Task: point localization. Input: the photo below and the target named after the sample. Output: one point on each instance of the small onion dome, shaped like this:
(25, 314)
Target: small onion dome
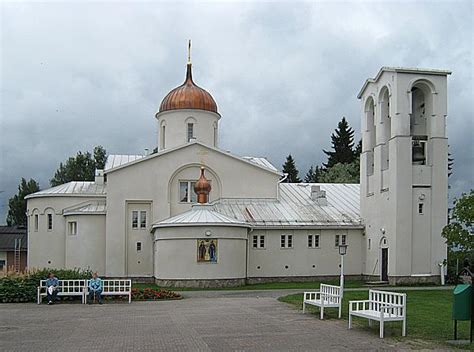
(188, 96)
(202, 188)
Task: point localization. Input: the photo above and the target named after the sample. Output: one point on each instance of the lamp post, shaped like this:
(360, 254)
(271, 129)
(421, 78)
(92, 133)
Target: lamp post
(342, 253)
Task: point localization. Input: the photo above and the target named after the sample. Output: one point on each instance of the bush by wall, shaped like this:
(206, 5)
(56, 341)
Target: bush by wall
(21, 287)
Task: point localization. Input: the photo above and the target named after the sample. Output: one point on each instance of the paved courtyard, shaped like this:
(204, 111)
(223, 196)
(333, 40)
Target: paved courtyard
(192, 324)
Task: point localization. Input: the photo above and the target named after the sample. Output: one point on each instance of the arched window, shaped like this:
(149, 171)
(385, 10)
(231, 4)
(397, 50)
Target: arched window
(370, 135)
(190, 123)
(421, 110)
(163, 135)
(215, 134)
(386, 122)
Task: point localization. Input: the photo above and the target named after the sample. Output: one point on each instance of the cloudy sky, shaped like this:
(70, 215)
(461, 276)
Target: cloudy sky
(78, 74)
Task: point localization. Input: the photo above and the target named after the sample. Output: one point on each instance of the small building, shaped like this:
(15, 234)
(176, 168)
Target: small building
(13, 248)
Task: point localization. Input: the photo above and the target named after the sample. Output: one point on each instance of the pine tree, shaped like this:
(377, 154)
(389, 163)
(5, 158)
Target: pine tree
(313, 175)
(289, 168)
(80, 168)
(17, 203)
(342, 141)
(358, 149)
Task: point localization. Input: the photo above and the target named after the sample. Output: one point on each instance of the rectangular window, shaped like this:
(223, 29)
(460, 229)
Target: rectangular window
(139, 246)
(343, 240)
(370, 242)
(336, 241)
(420, 208)
(134, 219)
(143, 219)
(190, 131)
(286, 241)
(72, 225)
(258, 241)
(313, 241)
(36, 222)
(340, 240)
(2, 264)
(50, 222)
(186, 192)
(262, 241)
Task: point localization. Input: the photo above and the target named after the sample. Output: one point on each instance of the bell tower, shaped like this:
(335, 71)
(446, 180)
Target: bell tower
(404, 173)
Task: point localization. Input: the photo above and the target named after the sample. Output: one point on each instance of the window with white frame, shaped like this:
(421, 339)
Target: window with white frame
(340, 240)
(36, 225)
(50, 222)
(258, 241)
(134, 219)
(190, 133)
(143, 219)
(286, 241)
(139, 246)
(186, 192)
(72, 228)
(313, 241)
(163, 137)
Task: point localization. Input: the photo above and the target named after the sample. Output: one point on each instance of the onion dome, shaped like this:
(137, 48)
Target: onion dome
(188, 96)
(202, 188)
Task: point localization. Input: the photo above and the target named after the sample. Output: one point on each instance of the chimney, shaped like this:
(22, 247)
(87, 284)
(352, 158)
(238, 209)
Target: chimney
(99, 177)
(318, 195)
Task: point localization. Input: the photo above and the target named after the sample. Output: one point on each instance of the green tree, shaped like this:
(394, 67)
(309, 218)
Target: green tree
(459, 233)
(17, 203)
(289, 168)
(342, 141)
(313, 175)
(341, 173)
(80, 167)
(358, 149)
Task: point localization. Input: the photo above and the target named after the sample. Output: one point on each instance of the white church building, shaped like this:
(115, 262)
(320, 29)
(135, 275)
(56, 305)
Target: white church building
(141, 217)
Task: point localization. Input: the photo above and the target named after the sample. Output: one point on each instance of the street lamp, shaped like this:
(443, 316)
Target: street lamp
(342, 253)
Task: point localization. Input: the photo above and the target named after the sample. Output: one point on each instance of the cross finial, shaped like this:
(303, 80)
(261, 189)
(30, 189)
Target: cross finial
(189, 51)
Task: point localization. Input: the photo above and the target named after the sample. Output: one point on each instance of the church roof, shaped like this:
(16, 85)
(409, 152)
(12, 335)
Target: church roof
(115, 160)
(296, 208)
(200, 215)
(77, 188)
(89, 208)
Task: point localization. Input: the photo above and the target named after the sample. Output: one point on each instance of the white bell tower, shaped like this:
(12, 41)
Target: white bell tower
(404, 173)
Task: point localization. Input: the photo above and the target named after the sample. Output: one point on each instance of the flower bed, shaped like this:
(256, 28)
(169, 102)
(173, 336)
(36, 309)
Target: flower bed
(149, 294)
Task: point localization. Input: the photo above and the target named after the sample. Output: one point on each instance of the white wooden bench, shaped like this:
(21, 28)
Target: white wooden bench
(382, 306)
(65, 288)
(114, 288)
(328, 296)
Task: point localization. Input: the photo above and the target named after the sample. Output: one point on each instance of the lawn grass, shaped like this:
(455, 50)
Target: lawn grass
(264, 286)
(428, 317)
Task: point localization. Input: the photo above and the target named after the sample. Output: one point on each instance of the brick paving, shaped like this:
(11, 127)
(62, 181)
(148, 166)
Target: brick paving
(192, 324)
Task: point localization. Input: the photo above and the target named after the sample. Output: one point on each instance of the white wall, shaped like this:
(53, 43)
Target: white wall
(176, 253)
(272, 260)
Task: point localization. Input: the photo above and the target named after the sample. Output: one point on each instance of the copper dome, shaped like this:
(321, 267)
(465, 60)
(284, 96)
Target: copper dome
(188, 96)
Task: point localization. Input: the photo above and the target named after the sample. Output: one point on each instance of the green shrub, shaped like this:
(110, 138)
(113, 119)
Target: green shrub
(23, 287)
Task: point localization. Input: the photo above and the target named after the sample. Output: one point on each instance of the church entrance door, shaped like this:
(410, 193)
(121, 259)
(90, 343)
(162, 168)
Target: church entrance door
(384, 276)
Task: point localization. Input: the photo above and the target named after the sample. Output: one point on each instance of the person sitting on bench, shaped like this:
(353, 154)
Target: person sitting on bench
(52, 283)
(95, 289)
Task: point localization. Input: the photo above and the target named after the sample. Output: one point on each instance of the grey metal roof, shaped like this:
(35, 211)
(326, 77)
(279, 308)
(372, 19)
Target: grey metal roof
(77, 188)
(260, 161)
(115, 160)
(200, 215)
(8, 234)
(90, 208)
(295, 207)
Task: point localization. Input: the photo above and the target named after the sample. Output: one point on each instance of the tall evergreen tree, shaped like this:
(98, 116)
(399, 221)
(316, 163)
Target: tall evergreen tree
(289, 168)
(80, 167)
(313, 175)
(358, 149)
(342, 141)
(17, 203)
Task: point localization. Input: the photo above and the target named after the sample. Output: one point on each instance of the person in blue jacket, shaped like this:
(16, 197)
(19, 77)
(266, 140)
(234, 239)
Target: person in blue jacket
(95, 289)
(52, 288)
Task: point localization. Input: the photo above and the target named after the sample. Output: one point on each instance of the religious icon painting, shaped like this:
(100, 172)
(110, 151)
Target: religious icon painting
(207, 250)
